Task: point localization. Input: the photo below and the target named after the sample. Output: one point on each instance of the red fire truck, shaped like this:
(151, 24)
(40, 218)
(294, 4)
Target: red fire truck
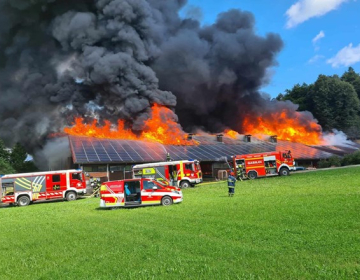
(263, 164)
(182, 173)
(137, 192)
(23, 188)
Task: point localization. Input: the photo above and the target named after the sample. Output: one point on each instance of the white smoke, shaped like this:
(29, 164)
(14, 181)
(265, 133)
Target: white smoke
(337, 138)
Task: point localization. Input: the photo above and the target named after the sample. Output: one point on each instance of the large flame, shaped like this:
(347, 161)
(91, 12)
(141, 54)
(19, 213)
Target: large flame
(231, 133)
(161, 127)
(295, 128)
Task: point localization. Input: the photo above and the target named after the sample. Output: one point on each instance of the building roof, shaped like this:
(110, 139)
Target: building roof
(98, 150)
(208, 148)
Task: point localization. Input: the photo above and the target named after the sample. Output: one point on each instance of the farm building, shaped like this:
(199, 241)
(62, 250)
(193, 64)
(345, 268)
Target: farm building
(113, 159)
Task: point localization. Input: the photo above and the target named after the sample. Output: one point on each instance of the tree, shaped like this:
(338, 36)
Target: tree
(5, 167)
(353, 78)
(335, 103)
(299, 94)
(4, 153)
(17, 160)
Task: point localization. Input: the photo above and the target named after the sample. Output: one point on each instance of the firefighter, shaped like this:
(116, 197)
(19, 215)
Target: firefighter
(168, 158)
(240, 172)
(231, 184)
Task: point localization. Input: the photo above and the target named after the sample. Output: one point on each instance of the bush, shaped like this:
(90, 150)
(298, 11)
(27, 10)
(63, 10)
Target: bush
(334, 161)
(350, 159)
(323, 163)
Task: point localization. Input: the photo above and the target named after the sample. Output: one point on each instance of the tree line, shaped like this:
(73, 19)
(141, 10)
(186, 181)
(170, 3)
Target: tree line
(334, 101)
(14, 161)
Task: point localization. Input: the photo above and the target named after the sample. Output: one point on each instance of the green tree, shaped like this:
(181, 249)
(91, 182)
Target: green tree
(17, 160)
(353, 78)
(335, 103)
(299, 94)
(4, 154)
(5, 167)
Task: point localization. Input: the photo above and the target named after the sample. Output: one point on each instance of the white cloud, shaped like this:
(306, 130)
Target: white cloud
(305, 9)
(315, 58)
(346, 56)
(318, 37)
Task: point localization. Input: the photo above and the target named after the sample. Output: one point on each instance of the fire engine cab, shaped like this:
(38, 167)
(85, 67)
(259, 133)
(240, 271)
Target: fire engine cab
(137, 192)
(23, 188)
(263, 164)
(183, 173)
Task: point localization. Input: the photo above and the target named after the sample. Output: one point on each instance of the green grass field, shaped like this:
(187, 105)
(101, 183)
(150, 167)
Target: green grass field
(305, 226)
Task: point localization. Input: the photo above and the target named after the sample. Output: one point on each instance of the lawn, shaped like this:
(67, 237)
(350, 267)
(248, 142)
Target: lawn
(304, 226)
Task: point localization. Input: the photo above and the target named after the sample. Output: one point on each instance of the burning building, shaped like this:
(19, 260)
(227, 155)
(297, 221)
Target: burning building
(140, 66)
(113, 158)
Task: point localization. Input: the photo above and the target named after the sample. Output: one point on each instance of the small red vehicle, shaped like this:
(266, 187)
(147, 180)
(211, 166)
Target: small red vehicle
(23, 188)
(138, 192)
(263, 164)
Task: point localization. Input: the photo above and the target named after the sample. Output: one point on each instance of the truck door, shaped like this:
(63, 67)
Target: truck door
(132, 193)
(56, 184)
(148, 193)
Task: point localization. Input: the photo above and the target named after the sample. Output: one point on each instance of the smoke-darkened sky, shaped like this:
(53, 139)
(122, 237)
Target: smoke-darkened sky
(115, 58)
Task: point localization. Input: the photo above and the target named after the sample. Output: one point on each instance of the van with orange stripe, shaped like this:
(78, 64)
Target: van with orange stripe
(138, 192)
(265, 164)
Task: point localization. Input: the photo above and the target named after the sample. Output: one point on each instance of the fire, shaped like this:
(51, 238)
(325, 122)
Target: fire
(231, 133)
(294, 128)
(161, 127)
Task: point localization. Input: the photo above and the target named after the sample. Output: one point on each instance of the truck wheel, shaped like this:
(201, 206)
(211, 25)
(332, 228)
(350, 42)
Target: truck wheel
(23, 200)
(284, 171)
(184, 184)
(71, 196)
(166, 201)
(252, 175)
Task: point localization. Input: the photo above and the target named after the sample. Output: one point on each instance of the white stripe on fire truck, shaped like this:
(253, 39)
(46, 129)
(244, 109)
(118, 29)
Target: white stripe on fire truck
(36, 186)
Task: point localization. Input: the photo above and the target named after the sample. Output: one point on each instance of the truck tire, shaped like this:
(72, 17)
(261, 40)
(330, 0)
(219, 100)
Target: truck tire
(70, 196)
(166, 201)
(184, 184)
(23, 200)
(284, 171)
(252, 175)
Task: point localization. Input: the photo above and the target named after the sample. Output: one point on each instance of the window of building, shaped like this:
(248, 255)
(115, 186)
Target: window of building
(116, 168)
(95, 168)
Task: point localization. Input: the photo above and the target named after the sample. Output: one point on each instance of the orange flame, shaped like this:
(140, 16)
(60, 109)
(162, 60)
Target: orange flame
(161, 127)
(295, 128)
(231, 133)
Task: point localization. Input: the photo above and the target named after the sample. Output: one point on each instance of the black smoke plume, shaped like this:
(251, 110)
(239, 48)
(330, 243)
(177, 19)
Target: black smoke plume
(115, 58)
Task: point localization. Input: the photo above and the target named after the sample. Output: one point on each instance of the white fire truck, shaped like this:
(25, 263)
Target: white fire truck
(23, 188)
(182, 173)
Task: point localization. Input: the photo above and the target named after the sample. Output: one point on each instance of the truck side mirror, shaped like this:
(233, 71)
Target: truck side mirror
(154, 188)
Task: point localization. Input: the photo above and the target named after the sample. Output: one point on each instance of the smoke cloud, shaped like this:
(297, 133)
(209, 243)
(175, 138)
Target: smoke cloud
(115, 58)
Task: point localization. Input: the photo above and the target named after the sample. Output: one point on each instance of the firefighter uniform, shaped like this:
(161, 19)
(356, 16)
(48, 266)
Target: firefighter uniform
(231, 184)
(240, 172)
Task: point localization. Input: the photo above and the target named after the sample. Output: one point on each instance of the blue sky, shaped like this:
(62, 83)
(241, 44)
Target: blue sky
(320, 36)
